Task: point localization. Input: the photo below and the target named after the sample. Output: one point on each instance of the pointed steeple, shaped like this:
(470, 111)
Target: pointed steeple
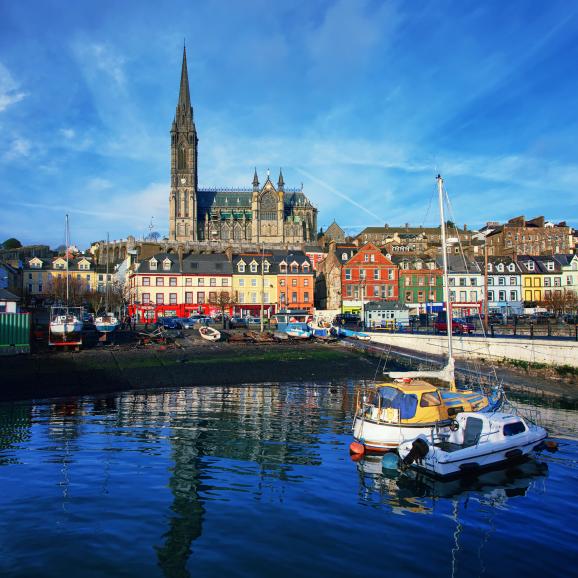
(255, 181)
(280, 182)
(184, 96)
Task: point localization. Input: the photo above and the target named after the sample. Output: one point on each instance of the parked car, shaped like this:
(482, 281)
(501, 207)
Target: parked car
(190, 322)
(238, 322)
(346, 318)
(459, 326)
(169, 323)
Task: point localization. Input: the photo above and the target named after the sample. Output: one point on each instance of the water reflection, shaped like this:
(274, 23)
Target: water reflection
(177, 456)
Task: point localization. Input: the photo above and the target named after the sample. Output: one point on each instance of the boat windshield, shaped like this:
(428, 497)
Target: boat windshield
(406, 403)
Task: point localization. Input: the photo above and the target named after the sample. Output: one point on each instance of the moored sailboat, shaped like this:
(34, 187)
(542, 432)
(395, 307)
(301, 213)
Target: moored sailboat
(106, 323)
(408, 406)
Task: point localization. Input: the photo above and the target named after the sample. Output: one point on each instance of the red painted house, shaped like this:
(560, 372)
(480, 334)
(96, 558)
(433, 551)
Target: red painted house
(368, 276)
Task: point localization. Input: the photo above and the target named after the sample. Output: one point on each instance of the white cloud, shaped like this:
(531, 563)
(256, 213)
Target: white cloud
(17, 148)
(9, 89)
(68, 133)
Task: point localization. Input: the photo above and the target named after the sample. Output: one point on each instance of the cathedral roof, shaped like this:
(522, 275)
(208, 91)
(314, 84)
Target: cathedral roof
(241, 198)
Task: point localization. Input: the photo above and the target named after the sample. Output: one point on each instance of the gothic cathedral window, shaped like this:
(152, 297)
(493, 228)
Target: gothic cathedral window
(268, 209)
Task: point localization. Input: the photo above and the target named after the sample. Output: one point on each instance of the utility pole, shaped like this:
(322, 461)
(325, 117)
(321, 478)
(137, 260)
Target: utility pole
(486, 285)
(262, 283)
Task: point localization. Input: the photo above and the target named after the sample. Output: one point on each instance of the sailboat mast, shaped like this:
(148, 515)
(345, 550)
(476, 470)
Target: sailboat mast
(446, 286)
(66, 241)
(106, 281)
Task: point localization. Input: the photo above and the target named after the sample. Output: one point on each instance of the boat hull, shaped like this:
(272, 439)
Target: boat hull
(385, 437)
(66, 328)
(106, 326)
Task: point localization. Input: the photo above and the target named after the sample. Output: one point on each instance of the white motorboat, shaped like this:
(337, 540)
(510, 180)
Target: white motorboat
(476, 441)
(209, 333)
(297, 332)
(320, 328)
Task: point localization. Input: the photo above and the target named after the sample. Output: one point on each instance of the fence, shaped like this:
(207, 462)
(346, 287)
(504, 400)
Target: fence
(14, 333)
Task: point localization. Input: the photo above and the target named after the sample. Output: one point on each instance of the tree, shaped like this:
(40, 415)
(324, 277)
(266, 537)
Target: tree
(77, 290)
(11, 243)
(224, 300)
(560, 301)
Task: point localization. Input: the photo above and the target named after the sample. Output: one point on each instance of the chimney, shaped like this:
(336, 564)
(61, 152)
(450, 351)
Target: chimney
(465, 227)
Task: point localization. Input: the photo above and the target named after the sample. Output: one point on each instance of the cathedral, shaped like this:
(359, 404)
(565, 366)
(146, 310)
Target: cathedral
(270, 213)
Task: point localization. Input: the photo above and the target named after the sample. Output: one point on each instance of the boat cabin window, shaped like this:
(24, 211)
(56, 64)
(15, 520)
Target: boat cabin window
(429, 399)
(406, 403)
(512, 429)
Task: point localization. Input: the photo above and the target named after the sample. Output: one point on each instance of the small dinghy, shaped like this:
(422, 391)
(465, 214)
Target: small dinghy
(297, 333)
(209, 333)
(476, 441)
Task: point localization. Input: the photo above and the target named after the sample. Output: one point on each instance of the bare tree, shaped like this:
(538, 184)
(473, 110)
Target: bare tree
(224, 300)
(77, 289)
(561, 302)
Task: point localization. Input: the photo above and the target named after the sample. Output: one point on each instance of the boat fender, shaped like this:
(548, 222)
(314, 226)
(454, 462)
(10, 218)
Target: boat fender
(551, 445)
(390, 461)
(454, 425)
(356, 449)
(419, 450)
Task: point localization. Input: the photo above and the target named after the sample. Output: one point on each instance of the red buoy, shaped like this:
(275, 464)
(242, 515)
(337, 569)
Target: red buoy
(357, 449)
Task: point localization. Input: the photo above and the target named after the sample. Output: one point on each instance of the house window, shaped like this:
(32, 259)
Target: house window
(490, 295)
(282, 282)
(344, 256)
(253, 297)
(512, 281)
(501, 280)
(189, 281)
(241, 297)
(189, 297)
(366, 258)
(408, 296)
(305, 282)
(146, 298)
(201, 297)
(362, 274)
(146, 281)
(390, 274)
(306, 297)
(241, 267)
(502, 295)
(201, 282)
(376, 274)
(294, 297)
(160, 281)
(282, 297)
(213, 282)
(212, 296)
(173, 298)
(473, 281)
(348, 274)
(283, 267)
(160, 298)
(241, 282)
(294, 267)
(253, 267)
(153, 265)
(167, 265)
(224, 282)
(376, 290)
(513, 296)
(172, 281)
(372, 258)
(253, 282)
(349, 291)
(293, 282)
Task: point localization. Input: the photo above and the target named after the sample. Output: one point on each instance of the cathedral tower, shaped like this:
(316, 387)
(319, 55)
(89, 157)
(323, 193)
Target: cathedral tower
(183, 195)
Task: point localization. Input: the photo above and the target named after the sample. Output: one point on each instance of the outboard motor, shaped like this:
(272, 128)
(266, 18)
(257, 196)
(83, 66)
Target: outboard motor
(419, 450)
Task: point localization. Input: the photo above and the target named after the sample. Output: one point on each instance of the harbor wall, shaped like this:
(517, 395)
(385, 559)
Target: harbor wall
(550, 352)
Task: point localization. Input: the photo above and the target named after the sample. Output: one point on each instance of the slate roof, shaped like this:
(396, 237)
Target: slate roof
(237, 198)
(384, 306)
(160, 257)
(207, 264)
(6, 295)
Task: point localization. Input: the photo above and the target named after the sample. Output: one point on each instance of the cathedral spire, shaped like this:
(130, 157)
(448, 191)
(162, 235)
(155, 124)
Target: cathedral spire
(184, 96)
(280, 182)
(255, 181)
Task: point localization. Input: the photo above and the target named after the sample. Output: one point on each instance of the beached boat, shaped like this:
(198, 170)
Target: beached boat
(209, 333)
(106, 323)
(296, 331)
(320, 328)
(402, 409)
(476, 441)
(66, 324)
(343, 332)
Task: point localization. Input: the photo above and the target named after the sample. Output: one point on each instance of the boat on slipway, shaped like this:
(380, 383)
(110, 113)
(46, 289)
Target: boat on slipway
(320, 328)
(65, 327)
(106, 323)
(475, 442)
(407, 406)
(343, 332)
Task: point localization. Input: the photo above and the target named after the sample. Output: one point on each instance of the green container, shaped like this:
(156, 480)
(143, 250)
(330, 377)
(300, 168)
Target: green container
(14, 333)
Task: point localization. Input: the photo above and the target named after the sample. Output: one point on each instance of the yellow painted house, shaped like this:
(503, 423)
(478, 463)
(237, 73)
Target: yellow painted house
(254, 275)
(38, 274)
(542, 277)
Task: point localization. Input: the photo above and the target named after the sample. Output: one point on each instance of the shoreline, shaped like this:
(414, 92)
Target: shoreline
(193, 362)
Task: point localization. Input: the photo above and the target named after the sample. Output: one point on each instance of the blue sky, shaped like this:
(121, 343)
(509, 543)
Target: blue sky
(362, 101)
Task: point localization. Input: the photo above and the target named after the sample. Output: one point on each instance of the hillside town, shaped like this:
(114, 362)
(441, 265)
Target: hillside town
(256, 251)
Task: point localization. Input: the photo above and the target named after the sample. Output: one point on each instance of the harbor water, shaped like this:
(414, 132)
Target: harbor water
(257, 481)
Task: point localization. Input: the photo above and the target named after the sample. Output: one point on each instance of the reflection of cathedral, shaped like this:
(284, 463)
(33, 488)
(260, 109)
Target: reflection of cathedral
(268, 213)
